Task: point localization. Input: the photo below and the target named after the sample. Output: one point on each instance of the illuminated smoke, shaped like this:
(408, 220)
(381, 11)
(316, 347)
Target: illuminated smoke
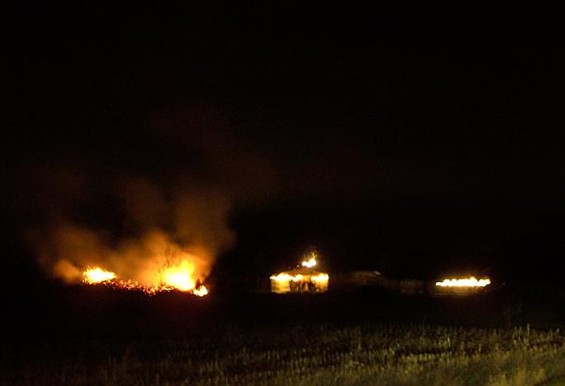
(169, 208)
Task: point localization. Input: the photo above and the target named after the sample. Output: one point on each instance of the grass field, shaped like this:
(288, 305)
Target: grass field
(298, 355)
(102, 338)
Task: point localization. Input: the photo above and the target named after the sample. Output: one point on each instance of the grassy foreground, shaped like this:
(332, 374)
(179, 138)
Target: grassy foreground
(294, 354)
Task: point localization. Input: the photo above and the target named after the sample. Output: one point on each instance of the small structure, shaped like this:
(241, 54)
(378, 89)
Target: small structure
(303, 279)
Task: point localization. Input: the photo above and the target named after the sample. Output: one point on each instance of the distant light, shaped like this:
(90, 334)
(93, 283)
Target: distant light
(466, 282)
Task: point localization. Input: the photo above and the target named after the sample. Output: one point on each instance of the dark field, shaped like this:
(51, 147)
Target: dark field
(95, 335)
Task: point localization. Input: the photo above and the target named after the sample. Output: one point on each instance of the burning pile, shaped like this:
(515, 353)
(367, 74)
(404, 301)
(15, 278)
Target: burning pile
(470, 282)
(461, 286)
(151, 264)
(174, 278)
(301, 279)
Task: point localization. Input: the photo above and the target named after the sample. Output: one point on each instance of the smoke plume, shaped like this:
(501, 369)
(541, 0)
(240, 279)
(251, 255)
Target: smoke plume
(136, 205)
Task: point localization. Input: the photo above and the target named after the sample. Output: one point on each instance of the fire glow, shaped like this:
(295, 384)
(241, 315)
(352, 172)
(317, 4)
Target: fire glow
(311, 262)
(302, 279)
(285, 277)
(179, 278)
(94, 275)
(470, 282)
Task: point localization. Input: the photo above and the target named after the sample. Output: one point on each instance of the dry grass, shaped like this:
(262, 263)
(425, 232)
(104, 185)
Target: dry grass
(328, 354)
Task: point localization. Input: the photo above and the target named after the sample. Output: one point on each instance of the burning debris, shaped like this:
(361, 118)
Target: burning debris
(302, 279)
(461, 286)
(176, 278)
(464, 283)
(151, 264)
(113, 224)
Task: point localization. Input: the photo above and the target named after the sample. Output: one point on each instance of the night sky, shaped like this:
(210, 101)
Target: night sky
(410, 144)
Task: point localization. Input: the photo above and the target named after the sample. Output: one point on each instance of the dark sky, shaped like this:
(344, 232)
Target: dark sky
(413, 144)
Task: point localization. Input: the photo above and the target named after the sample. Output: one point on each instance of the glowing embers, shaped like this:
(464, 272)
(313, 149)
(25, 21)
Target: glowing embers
(301, 280)
(180, 277)
(470, 282)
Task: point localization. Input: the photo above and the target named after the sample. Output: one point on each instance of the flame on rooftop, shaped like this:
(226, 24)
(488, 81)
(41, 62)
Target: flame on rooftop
(311, 260)
(301, 279)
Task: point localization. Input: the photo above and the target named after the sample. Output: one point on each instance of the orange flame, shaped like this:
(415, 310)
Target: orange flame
(285, 277)
(303, 279)
(93, 275)
(201, 291)
(311, 262)
(179, 278)
(466, 282)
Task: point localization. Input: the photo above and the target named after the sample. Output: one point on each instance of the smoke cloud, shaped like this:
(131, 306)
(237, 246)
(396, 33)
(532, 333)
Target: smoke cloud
(134, 206)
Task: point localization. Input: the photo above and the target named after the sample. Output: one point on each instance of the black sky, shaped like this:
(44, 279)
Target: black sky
(413, 144)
